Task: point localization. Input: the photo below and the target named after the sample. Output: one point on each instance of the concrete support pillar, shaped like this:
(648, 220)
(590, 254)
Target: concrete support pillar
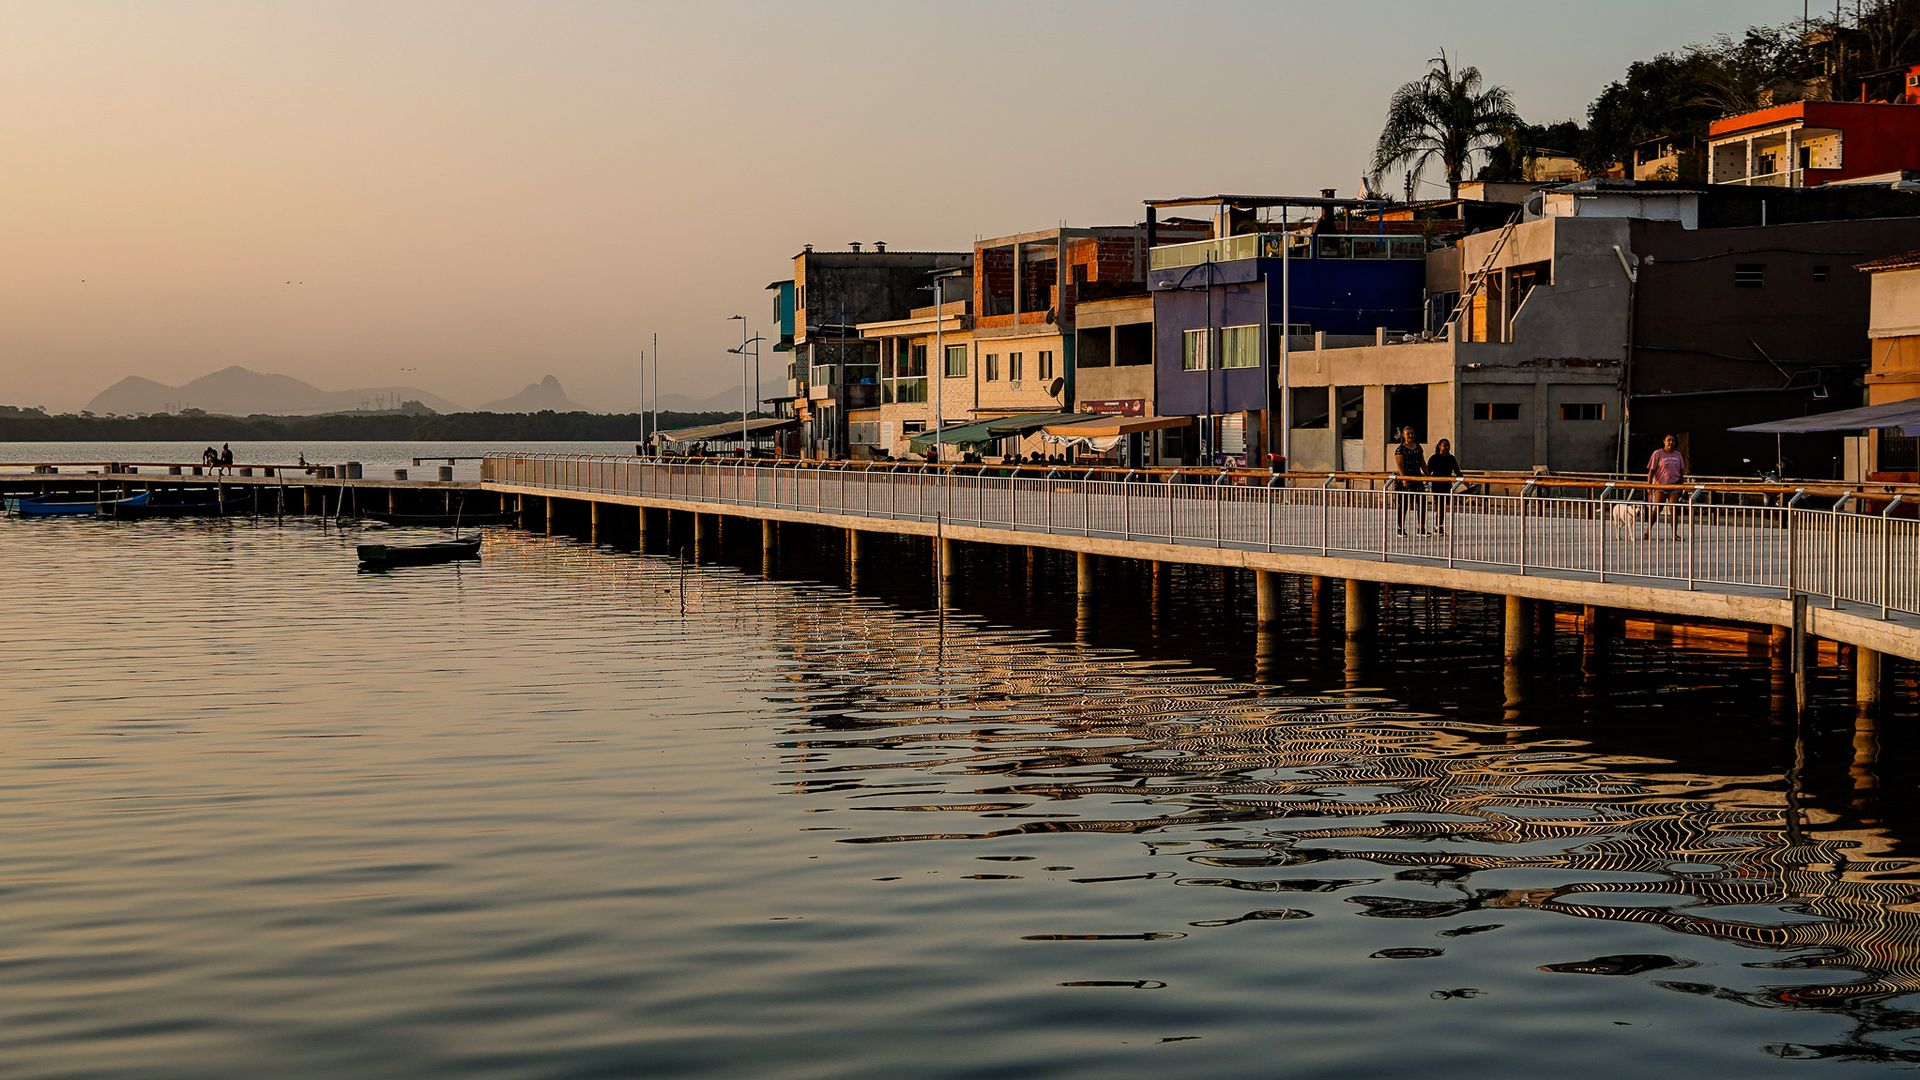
(1596, 640)
(1864, 769)
(1083, 574)
(1867, 680)
(1519, 629)
(947, 552)
(1362, 602)
(1780, 671)
(1266, 598)
(1317, 602)
(769, 544)
(550, 511)
(640, 528)
(703, 534)
(593, 523)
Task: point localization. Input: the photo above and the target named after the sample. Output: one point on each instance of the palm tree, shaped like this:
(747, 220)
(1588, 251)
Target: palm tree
(1444, 116)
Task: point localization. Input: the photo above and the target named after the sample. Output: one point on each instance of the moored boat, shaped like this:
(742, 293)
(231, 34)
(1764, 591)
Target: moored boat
(27, 507)
(382, 556)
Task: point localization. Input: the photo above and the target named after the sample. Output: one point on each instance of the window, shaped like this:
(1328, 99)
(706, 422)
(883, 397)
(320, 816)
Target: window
(1239, 346)
(1496, 410)
(956, 361)
(1749, 275)
(1046, 363)
(918, 365)
(1193, 350)
(912, 427)
(1310, 407)
(1016, 365)
(1583, 410)
(1820, 272)
(993, 367)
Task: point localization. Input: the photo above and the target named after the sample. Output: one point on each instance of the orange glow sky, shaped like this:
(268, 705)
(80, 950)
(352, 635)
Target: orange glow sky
(490, 192)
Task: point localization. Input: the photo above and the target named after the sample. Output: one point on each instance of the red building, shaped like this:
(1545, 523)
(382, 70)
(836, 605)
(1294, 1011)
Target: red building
(1817, 142)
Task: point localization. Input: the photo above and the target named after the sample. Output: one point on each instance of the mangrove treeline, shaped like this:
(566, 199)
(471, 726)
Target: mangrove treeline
(31, 425)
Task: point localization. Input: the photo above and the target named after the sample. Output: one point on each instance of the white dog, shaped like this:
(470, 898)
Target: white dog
(1627, 516)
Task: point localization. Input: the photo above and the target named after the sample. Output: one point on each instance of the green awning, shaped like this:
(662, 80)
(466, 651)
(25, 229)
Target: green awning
(1027, 424)
(972, 434)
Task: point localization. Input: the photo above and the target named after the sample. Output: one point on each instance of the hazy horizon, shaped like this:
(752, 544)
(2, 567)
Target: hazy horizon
(465, 197)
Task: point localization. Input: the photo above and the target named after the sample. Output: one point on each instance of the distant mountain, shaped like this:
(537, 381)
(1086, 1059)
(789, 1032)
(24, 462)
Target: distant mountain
(724, 401)
(238, 391)
(538, 397)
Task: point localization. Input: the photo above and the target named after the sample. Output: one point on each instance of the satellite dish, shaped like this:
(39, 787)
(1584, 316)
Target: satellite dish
(1057, 387)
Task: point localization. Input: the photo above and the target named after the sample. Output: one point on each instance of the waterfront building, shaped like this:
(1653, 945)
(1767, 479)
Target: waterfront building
(913, 351)
(1219, 304)
(834, 370)
(1113, 377)
(1893, 371)
(1712, 307)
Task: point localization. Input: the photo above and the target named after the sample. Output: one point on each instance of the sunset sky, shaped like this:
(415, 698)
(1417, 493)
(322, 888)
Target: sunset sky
(487, 192)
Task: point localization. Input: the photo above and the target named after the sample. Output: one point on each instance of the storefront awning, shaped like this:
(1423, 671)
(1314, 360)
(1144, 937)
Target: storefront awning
(964, 434)
(1094, 426)
(729, 430)
(1901, 416)
(1026, 424)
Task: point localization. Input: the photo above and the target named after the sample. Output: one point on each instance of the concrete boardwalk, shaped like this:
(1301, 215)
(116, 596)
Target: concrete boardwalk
(1733, 560)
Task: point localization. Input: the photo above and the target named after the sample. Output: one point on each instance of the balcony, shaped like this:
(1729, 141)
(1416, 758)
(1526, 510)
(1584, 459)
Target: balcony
(1791, 179)
(906, 391)
(1268, 245)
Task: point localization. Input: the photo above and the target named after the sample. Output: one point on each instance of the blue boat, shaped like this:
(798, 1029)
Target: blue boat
(88, 508)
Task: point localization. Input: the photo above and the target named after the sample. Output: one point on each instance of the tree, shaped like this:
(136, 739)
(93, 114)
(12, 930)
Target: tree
(1445, 116)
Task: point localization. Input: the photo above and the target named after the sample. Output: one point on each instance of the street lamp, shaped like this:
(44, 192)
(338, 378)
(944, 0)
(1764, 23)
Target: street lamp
(745, 342)
(1206, 361)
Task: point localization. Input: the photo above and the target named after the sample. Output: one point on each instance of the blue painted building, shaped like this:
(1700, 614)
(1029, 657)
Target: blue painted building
(1217, 314)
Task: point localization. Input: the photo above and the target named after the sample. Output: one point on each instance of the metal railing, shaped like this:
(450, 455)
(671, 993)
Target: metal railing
(1768, 547)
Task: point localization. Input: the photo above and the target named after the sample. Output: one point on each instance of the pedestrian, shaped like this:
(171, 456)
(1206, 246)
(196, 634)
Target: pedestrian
(1666, 466)
(1409, 461)
(1442, 465)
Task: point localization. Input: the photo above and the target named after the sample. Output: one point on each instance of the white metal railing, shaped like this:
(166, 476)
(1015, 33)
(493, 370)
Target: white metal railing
(1871, 561)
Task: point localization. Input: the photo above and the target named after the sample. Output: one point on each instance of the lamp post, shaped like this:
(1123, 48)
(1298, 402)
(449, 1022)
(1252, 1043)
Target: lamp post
(745, 343)
(1206, 360)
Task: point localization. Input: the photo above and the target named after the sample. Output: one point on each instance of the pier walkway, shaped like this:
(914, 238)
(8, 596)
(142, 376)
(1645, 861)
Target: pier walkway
(1740, 555)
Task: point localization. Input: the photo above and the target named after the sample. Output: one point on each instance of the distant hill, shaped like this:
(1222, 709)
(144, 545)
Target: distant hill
(238, 391)
(724, 401)
(543, 396)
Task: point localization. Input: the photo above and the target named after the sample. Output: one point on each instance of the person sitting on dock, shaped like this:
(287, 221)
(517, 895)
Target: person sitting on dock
(226, 458)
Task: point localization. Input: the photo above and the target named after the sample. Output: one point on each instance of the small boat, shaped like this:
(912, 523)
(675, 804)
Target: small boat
(382, 556)
(25, 507)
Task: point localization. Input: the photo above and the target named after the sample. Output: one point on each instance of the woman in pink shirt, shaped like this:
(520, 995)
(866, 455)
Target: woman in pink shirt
(1666, 466)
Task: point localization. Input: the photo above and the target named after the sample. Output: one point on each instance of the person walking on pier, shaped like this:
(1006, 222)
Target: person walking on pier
(1410, 462)
(1442, 467)
(1666, 466)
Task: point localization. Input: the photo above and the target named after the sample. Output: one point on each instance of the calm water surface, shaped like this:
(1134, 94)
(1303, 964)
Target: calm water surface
(575, 812)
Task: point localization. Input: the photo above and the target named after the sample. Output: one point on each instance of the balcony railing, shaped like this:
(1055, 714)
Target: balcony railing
(1790, 179)
(1267, 246)
(906, 391)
